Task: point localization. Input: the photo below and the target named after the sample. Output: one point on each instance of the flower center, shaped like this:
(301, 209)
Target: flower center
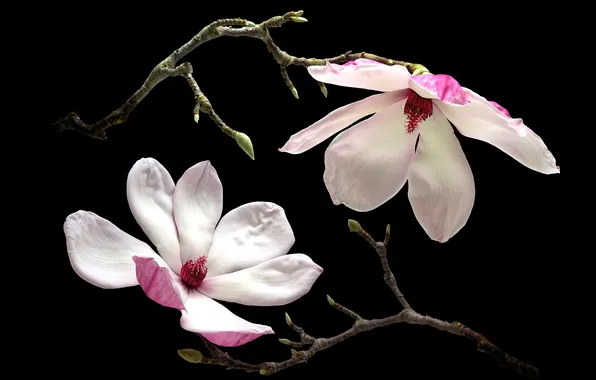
(193, 272)
(417, 109)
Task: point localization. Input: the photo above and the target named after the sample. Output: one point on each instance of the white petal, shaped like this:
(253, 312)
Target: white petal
(278, 281)
(150, 189)
(367, 165)
(363, 73)
(198, 202)
(483, 121)
(249, 235)
(101, 253)
(217, 324)
(339, 119)
(440, 182)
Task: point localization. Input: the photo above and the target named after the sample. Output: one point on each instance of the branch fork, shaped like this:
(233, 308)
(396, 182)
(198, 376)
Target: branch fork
(360, 325)
(169, 67)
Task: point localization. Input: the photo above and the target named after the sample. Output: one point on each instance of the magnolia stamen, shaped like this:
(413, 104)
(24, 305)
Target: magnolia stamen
(417, 109)
(193, 272)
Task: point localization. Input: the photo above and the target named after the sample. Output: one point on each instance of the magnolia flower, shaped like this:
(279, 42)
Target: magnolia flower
(369, 163)
(241, 259)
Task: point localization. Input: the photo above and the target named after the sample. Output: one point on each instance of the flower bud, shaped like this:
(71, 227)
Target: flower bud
(299, 19)
(190, 355)
(354, 226)
(245, 143)
(331, 301)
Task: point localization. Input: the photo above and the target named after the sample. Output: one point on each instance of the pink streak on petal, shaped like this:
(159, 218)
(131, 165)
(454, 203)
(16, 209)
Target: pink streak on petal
(157, 282)
(233, 338)
(500, 108)
(444, 87)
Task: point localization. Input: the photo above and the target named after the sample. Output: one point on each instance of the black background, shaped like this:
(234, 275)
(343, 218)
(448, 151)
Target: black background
(495, 275)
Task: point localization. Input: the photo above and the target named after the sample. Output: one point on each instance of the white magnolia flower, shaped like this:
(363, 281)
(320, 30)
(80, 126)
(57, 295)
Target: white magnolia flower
(369, 163)
(241, 259)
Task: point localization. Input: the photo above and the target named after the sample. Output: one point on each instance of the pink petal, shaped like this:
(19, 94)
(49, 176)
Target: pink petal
(339, 119)
(483, 121)
(363, 74)
(278, 281)
(367, 165)
(150, 189)
(159, 283)
(217, 324)
(101, 253)
(442, 87)
(440, 182)
(198, 202)
(249, 235)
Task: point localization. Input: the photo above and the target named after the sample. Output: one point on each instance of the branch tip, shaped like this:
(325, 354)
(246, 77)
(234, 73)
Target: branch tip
(244, 142)
(289, 320)
(299, 19)
(323, 88)
(331, 301)
(354, 226)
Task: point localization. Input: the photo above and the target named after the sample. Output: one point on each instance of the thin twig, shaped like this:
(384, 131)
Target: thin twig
(235, 27)
(408, 315)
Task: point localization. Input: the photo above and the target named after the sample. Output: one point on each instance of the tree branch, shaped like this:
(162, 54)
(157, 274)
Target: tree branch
(235, 27)
(408, 315)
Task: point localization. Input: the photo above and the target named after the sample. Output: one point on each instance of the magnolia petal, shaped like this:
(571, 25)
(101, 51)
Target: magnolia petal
(441, 87)
(249, 235)
(149, 189)
(363, 73)
(159, 283)
(502, 109)
(481, 120)
(217, 324)
(367, 165)
(278, 281)
(440, 182)
(198, 203)
(101, 253)
(339, 119)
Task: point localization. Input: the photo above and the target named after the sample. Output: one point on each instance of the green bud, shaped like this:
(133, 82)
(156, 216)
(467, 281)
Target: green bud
(288, 320)
(245, 143)
(299, 19)
(264, 372)
(196, 117)
(387, 230)
(419, 70)
(294, 92)
(323, 89)
(190, 355)
(331, 301)
(354, 226)
(285, 341)
(249, 23)
(299, 13)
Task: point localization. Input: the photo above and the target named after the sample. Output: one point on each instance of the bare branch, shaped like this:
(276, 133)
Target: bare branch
(234, 27)
(408, 315)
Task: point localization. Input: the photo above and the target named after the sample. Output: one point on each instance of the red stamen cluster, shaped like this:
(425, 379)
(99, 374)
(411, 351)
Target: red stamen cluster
(193, 272)
(417, 109)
